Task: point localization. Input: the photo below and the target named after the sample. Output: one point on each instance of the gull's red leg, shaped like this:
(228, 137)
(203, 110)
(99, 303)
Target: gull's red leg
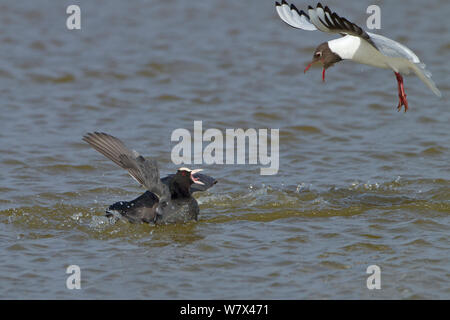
(401, 92)
(323, 75)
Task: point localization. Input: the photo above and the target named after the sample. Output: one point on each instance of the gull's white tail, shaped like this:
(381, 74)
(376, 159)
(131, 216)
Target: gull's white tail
(425, 76)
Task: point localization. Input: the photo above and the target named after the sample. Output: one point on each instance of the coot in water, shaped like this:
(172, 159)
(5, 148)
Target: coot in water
(168, 200)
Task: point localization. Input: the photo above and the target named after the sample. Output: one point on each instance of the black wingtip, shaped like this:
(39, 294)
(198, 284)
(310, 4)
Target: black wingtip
(300, 12)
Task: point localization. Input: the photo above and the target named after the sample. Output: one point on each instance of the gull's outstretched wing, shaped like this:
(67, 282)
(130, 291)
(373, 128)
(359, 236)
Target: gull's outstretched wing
(144, 171)
(319, 18)
(393, 49)
(293, 17)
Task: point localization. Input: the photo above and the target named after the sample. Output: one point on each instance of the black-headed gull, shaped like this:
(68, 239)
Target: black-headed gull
(356, 45)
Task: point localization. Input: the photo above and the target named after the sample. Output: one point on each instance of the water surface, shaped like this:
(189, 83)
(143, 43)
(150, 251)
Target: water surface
(359, 183)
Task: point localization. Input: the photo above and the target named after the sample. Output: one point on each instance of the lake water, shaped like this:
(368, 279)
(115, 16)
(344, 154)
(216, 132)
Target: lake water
(359, 183)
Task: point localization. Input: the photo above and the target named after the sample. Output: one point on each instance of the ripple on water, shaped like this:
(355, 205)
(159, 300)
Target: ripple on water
(40, 78)
(367, 246)
(305, 129)
(434, 151)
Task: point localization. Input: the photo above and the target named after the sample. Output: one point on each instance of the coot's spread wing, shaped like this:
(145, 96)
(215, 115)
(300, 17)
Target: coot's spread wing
(319, 18)
(208, 182)
(144, 171)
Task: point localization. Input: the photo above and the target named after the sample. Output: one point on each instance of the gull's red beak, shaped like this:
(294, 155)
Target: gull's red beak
(309, 66)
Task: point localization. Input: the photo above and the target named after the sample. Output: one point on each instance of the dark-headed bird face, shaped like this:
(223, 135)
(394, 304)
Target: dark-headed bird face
(325, 56)
(180, 184)
(189, 175)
